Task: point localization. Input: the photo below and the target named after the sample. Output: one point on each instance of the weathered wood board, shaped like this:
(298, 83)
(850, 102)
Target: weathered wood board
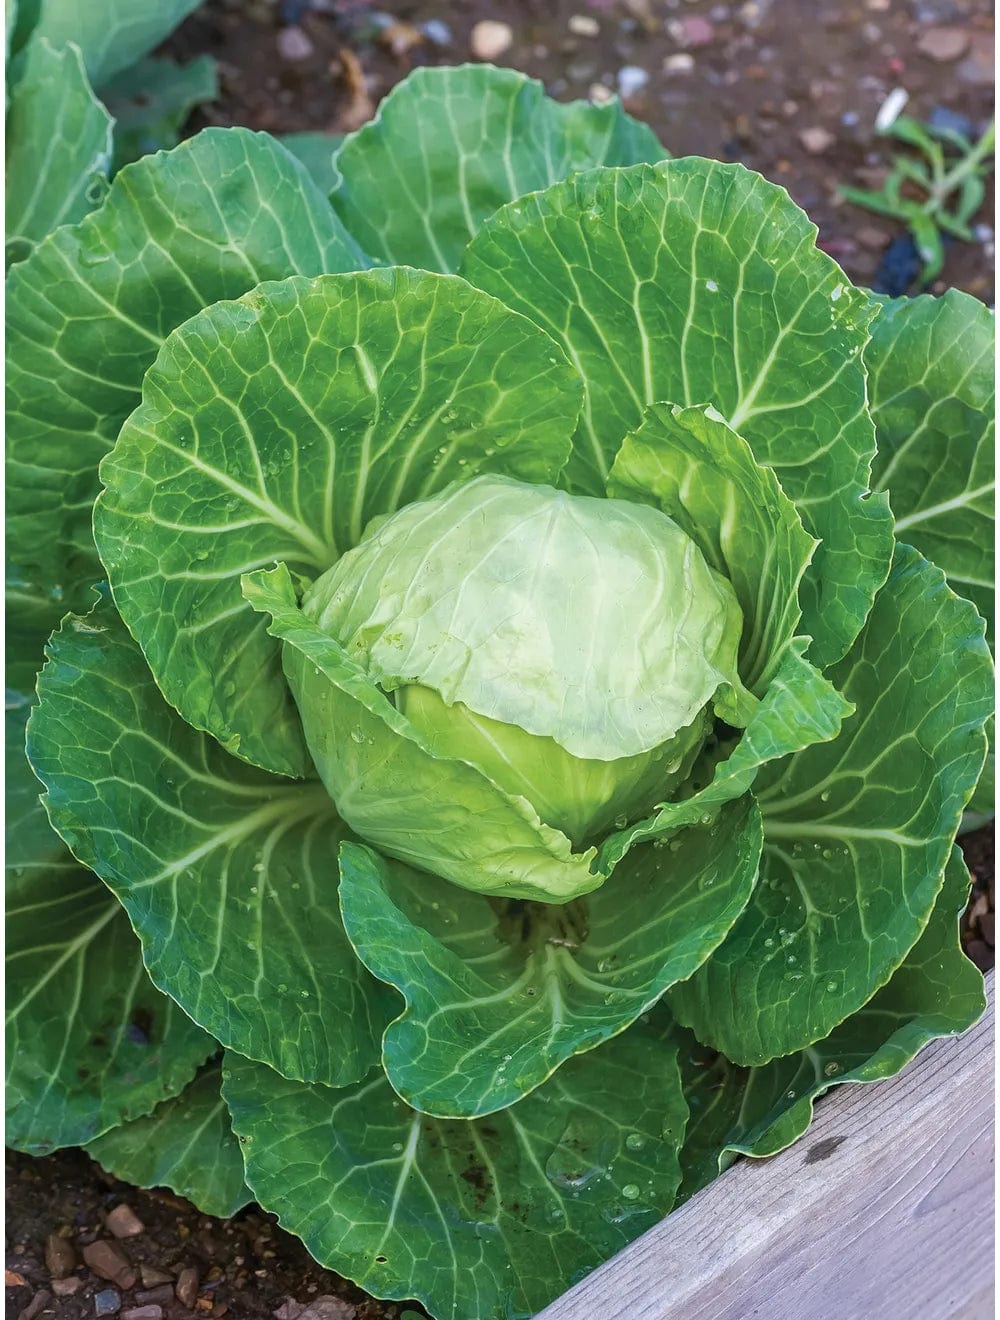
(883, 1211)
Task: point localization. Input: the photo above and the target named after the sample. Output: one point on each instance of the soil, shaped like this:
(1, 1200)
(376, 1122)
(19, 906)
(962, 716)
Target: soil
(789, 87)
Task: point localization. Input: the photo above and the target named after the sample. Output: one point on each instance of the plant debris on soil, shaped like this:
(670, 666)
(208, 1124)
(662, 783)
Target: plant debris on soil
(790, 89)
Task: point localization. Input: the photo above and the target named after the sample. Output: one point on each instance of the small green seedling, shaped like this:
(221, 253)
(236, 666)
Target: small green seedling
(936, 192)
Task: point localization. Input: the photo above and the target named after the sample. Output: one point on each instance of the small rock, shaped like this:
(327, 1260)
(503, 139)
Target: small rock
(67, 1287)
(693, 30)
(187, 1287)
(162, 1295)
(289, 1310)
(438, 33)
(943, 44)
(327, 1307)
(143, 1313)
(124, 1222)
(816, 140)
(978, 68)
(682, 62)
(107, 1302)
(11, 1279)
(490, 39)
(60, 1258)
(870, 236)
(108, 1261)
(294, 44)
(151, 1276)
(631, 80)
(583, 25)
(941, 117)
(599, 94)
(37, 1304)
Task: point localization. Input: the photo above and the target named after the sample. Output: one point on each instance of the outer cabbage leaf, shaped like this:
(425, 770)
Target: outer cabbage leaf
(699, 283)
(499, 994)
(931, 385)
(275, 428)
(88, 311)
(228, 875)
(151, 100)
(475, 830)
(856, 832)
(58, 147)
(935, 992)
(491, 1218)
(450, 146)
(90, 1041)
(112, 34)
(186, 1144)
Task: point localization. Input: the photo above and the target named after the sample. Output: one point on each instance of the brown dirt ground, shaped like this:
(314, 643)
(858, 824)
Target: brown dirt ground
(762, 73)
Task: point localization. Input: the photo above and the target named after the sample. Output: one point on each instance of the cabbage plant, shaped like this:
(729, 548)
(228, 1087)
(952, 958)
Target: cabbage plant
(528, 752)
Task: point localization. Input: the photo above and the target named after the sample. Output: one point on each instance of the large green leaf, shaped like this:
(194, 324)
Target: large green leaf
(58, 147)
(315, 151)
(151, 100)
(228, 875)
(90, 1041)
(112, 33)
(704, 476)
(449, 146)
(936, 992)
(930, 381)
(500, 993)
(700, 283)
(857, 831)
(89, 309)
(186, 1144)
(491, 1218)
(275, 428)
(931, 386)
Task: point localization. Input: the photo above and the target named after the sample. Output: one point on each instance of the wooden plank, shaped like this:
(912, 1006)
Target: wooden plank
(883, 1211)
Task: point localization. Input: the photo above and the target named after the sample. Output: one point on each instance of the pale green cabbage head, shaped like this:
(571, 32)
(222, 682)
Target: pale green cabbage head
(572, 650)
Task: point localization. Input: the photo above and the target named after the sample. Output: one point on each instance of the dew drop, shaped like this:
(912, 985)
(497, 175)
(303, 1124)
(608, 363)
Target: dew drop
(635, 1141)
(630, 1191)
(831, 1069)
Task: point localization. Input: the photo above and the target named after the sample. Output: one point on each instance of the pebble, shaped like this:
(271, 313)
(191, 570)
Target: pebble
(108, 1261)
(631, 80)
(187, 1287)
(143, 1313)
(107, 1302)
(692, 30)
(161, 1295)
(67, 1287)
(682, 62)
(60, 1258)
(599, 94)
(490, 39)
(978, 68)
(327, 1307)
(124, 1222)
(582, 25)
(943, 44)
(38, 1303)
(816, 140)
(151, 1276)
(437, 32)
(294, 44)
